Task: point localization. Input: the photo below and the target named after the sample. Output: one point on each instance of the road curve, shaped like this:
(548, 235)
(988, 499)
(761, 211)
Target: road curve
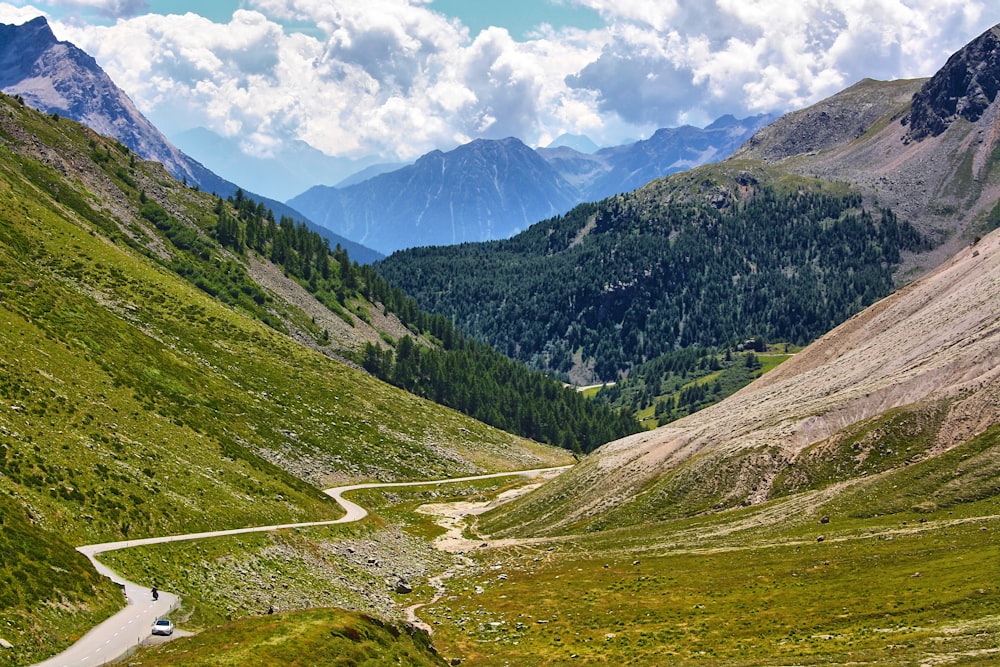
(132, 625)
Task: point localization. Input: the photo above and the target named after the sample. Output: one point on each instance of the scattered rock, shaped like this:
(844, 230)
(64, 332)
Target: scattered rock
(821, 538)
(825, 519)
(5, 644)
(403, 587)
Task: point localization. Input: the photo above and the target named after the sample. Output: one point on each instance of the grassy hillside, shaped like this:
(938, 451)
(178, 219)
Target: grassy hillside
(133, 403)
(41, 577)
(861, 573)
(305, 638)
(898, 567)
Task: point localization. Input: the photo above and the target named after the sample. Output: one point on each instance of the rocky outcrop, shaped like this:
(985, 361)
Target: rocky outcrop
(833, 122)
(964, 88)
(59, 78)
(926, 148)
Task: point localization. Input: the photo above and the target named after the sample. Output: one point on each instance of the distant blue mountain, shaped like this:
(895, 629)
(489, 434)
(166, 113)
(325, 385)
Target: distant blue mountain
(296, 167)
(578, 142)
(369, 172)
(488, 190)
(480, 191)
(610, 171)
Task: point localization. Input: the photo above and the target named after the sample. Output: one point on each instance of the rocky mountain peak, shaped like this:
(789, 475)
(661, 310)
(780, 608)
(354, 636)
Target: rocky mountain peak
(966, 85)
(21, 46)
(57, 77)
(35, 32)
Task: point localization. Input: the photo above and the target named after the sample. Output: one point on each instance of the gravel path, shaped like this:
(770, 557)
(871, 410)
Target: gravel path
(132, 626)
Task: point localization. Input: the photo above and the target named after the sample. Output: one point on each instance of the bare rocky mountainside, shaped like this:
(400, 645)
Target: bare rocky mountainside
(930, 352)
(925, 148)
(57, 77)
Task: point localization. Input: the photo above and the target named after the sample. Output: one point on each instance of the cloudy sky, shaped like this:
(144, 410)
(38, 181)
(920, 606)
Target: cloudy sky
(397, 78)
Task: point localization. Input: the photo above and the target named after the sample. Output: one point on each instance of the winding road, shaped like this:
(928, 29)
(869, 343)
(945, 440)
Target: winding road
(133, 625)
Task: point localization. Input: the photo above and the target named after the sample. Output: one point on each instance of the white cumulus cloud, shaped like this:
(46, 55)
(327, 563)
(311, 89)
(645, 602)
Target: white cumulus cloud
(396, 78)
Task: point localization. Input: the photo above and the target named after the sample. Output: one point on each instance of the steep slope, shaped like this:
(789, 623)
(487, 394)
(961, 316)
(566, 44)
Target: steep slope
(88, 267)
(479, 191)
(58, 78)
(926, 148)
(923, 362)
(135, 401)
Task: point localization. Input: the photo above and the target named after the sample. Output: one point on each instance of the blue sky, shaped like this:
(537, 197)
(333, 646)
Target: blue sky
(519, 17)
(397, 78)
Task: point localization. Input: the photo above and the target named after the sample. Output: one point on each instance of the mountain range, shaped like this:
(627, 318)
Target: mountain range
(927, 356)
(491, 189)
(480, 191)
(919, 155)
(172, 361)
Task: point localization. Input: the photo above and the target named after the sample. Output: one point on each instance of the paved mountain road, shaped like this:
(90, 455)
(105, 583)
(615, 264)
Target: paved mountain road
(133, 625)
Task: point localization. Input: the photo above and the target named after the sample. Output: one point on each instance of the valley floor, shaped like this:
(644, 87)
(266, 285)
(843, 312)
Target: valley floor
(844, 575)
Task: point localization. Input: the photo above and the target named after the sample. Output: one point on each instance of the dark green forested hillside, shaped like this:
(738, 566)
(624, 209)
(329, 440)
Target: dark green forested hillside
(454, 371)
(613, 284)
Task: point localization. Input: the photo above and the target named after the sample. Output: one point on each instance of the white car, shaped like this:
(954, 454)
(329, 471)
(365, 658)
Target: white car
(163, 626)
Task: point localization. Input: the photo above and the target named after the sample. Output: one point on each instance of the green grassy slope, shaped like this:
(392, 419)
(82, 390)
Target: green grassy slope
(895, 568)
(133, 404)
(305, 638)
(41, 577)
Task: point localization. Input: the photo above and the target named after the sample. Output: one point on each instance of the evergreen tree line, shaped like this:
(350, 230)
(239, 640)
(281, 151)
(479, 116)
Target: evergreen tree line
(455, 371)
(475, 379)
(679, 383)
(626, 280)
